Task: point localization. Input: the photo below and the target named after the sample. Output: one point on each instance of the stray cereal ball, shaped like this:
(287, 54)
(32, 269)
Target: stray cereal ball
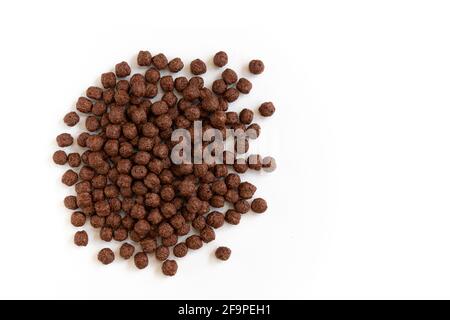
(259, 205)
(69, 178)
(232, 217)
(244, 85)
(215, 219)
(256, 66)
(126, 250)
(123, 69)
(105, 256)
(160, 61)
(169, 267)
(246, 116)
(267, 109)
(223, 253)
(242, 206)
(208, 234)
(141, 260)
(149, 245)
(229, 76)
(219, 86)
(78, 219)
(108, 80)
(246, 190)
(194, 242)
(64, 140)
(144, 58)
(231, 94)
(60, 157)
(220, 59)
(74, 159)
(71, 119)
(70, 202)
(81, 238)
(175, 65)
(269, 164)
(94, 93)
(180, 250)
(162, 253)
(198, 67)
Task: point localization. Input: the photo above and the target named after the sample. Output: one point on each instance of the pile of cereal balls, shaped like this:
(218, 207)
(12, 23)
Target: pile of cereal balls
(126, 183)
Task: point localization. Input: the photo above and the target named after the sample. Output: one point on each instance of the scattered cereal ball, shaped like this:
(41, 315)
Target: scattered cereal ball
(244, 86)
(207, 234)
(231, 94)
(84, 105)
(232, 217)
(175, 65)
(78, 219)
(69, 178)
(269, 164)
(169, 267)
(219, 86)
(160, 61)
(144, 58)
(95, 93)
(246, 190)
(223, 253)
(229, 76)
(194, 242)
(256, 66)
(123, 69)
(126, 250)
(105, 256)
(246, 116)
(198, 67)
(81, 238)
(148, 245)
(242, 206)
(74, 159)
(220, 59)
(64, 140)
(180, 250)
(108, 80)
(259, 205)
(162, 253)
(267, 109)
(215, 219)
(60, 157)
(70, 202)
(141, 260)
(71, 119)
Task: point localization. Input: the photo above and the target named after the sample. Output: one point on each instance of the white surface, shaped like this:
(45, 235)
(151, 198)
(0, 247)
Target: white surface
(359, 205)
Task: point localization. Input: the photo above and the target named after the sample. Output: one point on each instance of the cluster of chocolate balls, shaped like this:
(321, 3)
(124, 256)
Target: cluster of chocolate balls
(126, 184)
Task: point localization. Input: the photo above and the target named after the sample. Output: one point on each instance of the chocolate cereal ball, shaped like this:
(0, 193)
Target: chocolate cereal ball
(81, 238)
(141, 260)
(220, 59)
(71, 119)
(64, 140)
(69, 178)
(232, 217)
(267, 109)
(194, 242)
(256, 66)
(244, 86)
(223, 253)
(144, 58)
(175, 65)
(169, 267)
(108, 80)
(246, 190)
(215, 219)
(162, 253)
(259, 205)
(126, 250)
(123, 69)
(78, 219)
(60, 157)
(70, 202)
(180, 250)
(246, 116)
(160, 61)
(74, 159)
(229, 76)
(198, 67)
(105, 256)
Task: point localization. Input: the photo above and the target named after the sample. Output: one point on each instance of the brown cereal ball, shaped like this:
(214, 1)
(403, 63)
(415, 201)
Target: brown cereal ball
(244, 86)
(106, 234)
(181, 83)
(126, 250)
(199, 223)
(232, 196)
(142, 227)
(144, 58)
(253, 131)
(198, 67)
(160, 61)
(170, 241)
(194, 242)
(84, 105)
(246, 116)
(232, 181)
(64, 140)
(74, 159)
(70, 202)
(215, 219)
(267, 109)
(60, 157)
(269, 164)
(191, 93)
(159, 107)
(121, 234)
(242, 206)
(78, 219)
(232, 217)
(223, 253)
(69, 178)
(71, 119)
(220, 59)
(256, 66)
(162, 253)
(175, 65)
(165, 230)
(152, 75)
(81, 238)
(94, 93)
(141, 260)
(108, 80)
(166, 83)
(231, 94)
(208, 234)
(219, 86)
(148, 245)
(180, 250)
(246, 190)
(105, 256)
(229, 76)
(259, 205)
(123, 69)
(169, 267)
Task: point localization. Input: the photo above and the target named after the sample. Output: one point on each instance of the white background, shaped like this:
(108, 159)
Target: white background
(359, 206)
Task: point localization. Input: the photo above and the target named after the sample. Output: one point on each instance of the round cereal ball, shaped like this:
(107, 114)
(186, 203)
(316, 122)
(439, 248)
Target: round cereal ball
(223, 253)
(162, 253)
(74, 159)
(105, 256)
(81, 238)
(108, 80)
(69, 178)
(219, 86)
(229, 76)
(246, 190)
(231, 94)
(175, 65)
(64, 140)
(169, 267)
(242, 206)
(123, 69)
(71, 119)
(60, 157)
(207, 234)
(259, 205)
(246, 116)
(256, 66)
(126, 250)
(232, 217)
(70, 202)
(220, 59)
(194, 242)
(160, 61)
(149, 245)
(267, 109)
(144, 58)
(141, 260)
(180, 250)
(269, 164)
(215, 219)
(78, 219)
(198, 67)
(244, 86)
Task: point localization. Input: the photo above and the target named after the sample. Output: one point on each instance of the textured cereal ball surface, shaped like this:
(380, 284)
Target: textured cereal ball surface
(144, 58)
(244, 85)
(198, 67)
(71, 119)
(64, 140)
(259, 205)
(141, 260)
(220, 59)
(78, 219)
(81, 238)
(256, 66)
(126, 250)
(60, 157)
(69, 178)
(105, 256)
(180, 250)
(267, 109)
(175, 65)
(169, 267)
(123, 69)
(162, 253)
(223, 253)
